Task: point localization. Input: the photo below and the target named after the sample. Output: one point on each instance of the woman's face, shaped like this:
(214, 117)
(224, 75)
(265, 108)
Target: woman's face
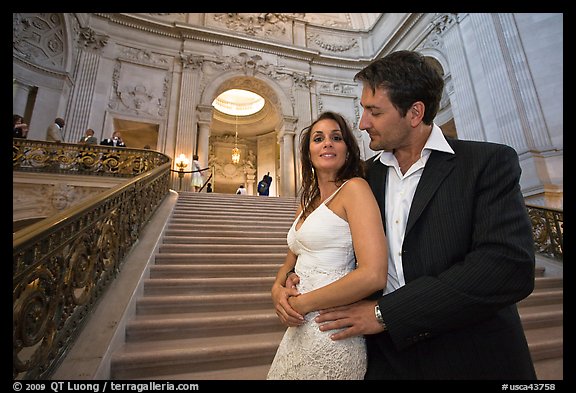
(327, 146)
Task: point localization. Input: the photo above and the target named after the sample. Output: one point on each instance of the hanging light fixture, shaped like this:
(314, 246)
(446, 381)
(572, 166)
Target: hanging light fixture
(235, 150)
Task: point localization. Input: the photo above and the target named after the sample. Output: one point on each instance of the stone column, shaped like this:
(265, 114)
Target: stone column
(287, 170)
(304, 96)
(518, 111)
(186, 125)
(20, 98)
(250, 180)
(465, 106)
(85, 72)
(203, 143)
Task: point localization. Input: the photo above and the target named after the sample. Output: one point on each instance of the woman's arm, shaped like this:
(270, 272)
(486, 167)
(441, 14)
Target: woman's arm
(357, 205)
(280, 293)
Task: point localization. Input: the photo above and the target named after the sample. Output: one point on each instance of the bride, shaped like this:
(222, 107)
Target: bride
(337, 247)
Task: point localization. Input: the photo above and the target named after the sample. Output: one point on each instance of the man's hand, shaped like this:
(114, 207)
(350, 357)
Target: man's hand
(357, 318)
(288, 316)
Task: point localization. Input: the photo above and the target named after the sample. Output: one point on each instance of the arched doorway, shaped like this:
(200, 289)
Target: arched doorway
(257, 138)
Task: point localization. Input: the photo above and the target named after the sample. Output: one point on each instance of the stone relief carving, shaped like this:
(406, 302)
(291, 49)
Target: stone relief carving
(443, 22)
(145, 57)
(193, 62)
(136, 98)
(335, 88)
(255, 24)
(39, 39)
(62, 196)
(141, 95)
(332, 44)
(88, 39)
(302, 80)
(179, 16)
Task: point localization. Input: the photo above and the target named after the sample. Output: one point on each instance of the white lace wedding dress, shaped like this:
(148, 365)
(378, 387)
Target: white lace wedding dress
(323, 244)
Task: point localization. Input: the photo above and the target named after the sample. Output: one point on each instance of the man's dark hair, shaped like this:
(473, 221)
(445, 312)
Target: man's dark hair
(406, 77)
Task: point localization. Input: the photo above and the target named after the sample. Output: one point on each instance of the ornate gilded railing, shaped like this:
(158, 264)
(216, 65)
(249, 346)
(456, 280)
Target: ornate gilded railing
(63, 264)
(73, 158)
(548, 231)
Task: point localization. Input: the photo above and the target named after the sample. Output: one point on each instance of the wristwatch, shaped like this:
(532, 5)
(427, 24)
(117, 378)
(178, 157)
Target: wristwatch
(378, 315)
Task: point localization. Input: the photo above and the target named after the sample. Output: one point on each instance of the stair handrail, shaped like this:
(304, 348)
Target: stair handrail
(548, 230)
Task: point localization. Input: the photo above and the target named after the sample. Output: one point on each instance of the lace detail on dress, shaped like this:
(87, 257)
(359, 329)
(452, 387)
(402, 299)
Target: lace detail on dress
(307, 353)
(323, 244)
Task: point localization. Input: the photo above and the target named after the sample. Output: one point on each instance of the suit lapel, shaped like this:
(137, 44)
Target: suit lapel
(376, 177)
(438, 166)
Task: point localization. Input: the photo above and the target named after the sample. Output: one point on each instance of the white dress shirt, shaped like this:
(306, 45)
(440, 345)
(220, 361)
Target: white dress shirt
(400, 189)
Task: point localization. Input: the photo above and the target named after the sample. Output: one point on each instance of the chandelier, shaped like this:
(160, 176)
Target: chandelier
(235, 150)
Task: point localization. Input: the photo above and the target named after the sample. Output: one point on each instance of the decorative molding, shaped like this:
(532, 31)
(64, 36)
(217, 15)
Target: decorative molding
(336, 44)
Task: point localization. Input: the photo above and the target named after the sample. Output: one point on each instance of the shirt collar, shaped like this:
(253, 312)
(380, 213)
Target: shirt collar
(436, 141)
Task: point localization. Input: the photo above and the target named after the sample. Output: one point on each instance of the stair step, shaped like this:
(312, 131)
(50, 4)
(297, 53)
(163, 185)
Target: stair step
(189, 303)
(200, 286)
(548, 282)
(252, 241)
(546, 342)
(541, 297)
(546, 315)
(223, 258)
(546, 369)
(247, 219)
(210, 226)
(213, 270)
(193, 355)
(231, 232)
(207, 326)
(263, 249)
(250, 373)
(220, 210)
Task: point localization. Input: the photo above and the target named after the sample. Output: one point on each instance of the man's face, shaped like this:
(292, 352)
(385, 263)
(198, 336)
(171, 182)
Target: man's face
(381, 120)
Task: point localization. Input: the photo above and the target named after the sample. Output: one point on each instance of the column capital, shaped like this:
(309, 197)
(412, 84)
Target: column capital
(204, 114)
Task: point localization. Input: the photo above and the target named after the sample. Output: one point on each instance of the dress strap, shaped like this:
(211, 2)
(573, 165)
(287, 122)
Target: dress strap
(335, 192)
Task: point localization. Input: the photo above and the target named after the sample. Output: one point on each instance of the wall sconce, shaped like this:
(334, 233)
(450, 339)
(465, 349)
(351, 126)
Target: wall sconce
(181, 163)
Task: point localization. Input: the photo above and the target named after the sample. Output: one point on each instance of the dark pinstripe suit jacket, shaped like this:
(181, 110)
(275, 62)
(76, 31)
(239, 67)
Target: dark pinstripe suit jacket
(468, 257)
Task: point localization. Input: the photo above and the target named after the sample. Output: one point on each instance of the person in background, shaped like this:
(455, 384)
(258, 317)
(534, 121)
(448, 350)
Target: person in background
(241, 190)
(337, 248)
(197, 179)
(116, 140)
(54, 132)
(460, 239)
(264, 185)
(209, 187)
(89, 138)
(19, 128)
